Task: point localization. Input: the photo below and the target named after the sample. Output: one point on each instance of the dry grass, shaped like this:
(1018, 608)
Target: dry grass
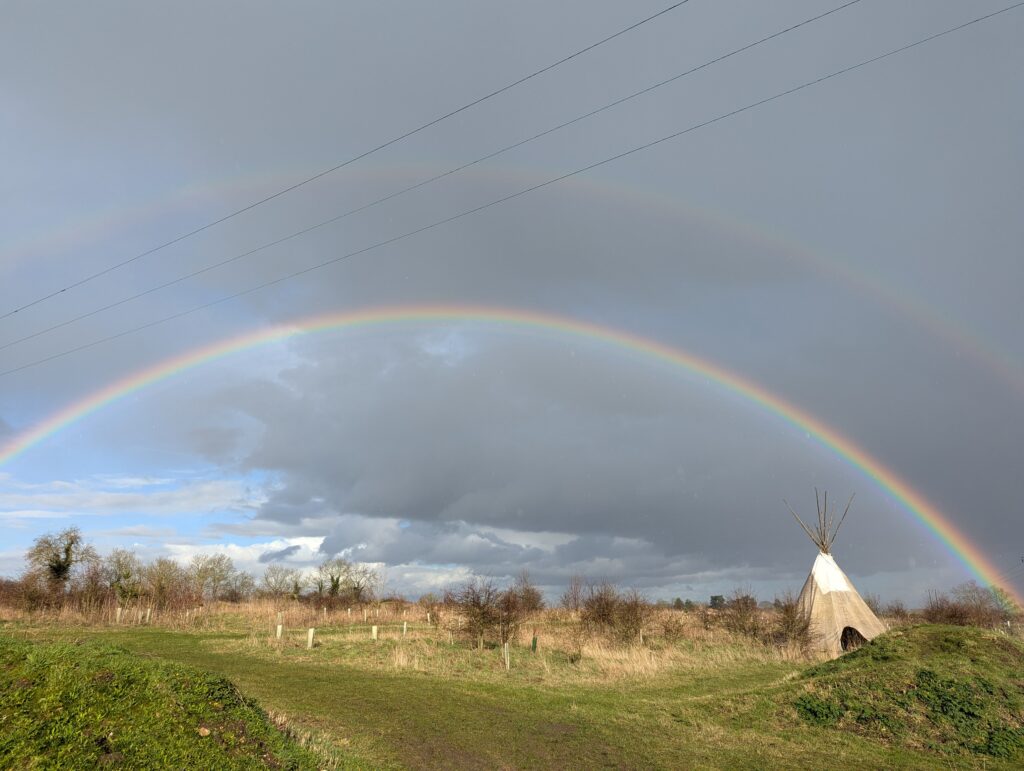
(674, 642)
(566, 654)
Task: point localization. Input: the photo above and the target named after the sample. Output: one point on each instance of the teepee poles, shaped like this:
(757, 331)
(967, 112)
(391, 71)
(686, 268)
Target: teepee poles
(824, 534)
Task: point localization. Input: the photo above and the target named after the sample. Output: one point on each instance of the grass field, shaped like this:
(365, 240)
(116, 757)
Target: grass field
(702, 702)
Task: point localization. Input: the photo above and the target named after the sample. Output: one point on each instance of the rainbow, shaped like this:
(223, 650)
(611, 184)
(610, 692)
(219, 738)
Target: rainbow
(910, 499)
(184, 200)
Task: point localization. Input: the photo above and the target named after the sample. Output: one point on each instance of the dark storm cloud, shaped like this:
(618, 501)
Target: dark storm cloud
(280, 554)
(650, 470)
(551, 559)
(427, 543)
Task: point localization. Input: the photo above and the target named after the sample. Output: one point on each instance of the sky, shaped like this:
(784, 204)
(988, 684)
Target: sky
(852, 248)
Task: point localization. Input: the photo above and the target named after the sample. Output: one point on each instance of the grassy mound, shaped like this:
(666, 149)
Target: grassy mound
(88, 705)
(949, 689)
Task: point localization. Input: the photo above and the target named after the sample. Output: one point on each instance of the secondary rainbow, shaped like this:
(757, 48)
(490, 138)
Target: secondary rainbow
(909, 498)
(940, 324)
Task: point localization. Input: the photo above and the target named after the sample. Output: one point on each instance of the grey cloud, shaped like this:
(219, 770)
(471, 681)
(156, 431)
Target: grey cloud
(853, 249)
(281, 554)
(524, 434)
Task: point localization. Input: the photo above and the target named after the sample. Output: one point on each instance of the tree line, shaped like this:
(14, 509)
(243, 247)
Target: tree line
(62, 569)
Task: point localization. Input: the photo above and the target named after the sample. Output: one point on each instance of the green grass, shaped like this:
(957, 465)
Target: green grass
(954, 690)
(738, 713)
(68, 705)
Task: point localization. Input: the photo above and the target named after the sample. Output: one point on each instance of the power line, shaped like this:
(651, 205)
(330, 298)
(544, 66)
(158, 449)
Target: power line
(343, 164)
(423, 183)
(1010, 574)
(511, 196)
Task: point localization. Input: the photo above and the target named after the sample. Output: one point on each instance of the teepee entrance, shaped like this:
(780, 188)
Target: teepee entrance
(839, 618)
(851, 639)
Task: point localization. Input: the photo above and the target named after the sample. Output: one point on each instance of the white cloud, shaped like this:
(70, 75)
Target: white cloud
(247, 557)
(21, 514)
(100, 496)
(141, 531)
(119, 482)
(12, 562)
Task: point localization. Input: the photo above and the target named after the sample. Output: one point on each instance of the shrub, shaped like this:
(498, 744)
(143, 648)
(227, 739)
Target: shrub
(792, 625)
(741, 615)
(512, 611)
(598, 609)
(897, 611)
(487, 611)
(605, 611)
(632, 613)
(969, 605)
(10, 592)
(477, 601)
(672, 627)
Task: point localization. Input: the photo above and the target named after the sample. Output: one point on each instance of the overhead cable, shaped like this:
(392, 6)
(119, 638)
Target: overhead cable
(418, 185)
(517, 194)
(343, 164)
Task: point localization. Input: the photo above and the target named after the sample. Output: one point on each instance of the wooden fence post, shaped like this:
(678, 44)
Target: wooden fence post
(280, 628)
(508, 664)
(309, 639)
(405, 625)
(373, 632)
(118, 615)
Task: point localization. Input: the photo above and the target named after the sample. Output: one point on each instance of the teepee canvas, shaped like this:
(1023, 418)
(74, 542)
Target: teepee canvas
(839, 618)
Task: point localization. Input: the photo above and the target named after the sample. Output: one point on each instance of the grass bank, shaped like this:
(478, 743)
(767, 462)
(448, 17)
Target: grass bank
(89, 704)
(957, 691)
(422, 702)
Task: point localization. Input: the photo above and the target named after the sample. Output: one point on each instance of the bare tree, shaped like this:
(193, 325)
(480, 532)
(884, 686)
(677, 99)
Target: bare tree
(278, 580)
(363, 582)
(124, 572)
(166, 583)
(572, 598)
(211, 574)
(530, 597)
(239, 587)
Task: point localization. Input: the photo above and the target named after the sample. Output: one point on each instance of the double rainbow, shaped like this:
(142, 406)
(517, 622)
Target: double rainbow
(910, 499)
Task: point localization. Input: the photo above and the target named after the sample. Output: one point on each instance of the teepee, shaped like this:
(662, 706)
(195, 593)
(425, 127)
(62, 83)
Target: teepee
(839, 618)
